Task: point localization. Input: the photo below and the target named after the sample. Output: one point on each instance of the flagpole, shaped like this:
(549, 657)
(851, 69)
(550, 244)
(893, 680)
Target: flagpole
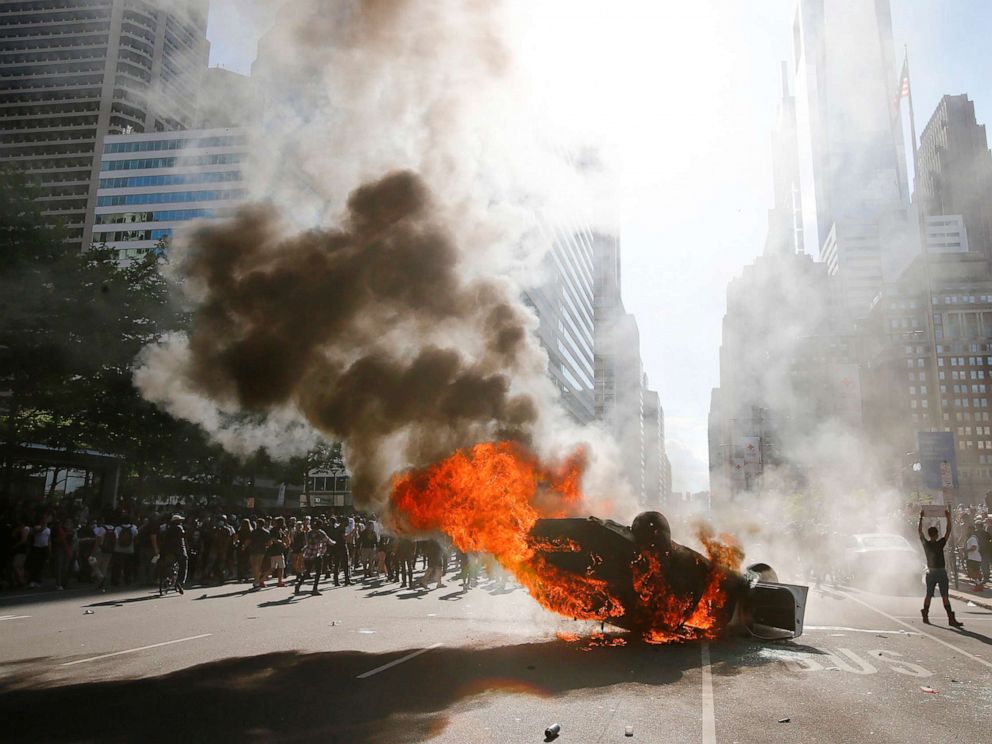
(912, 117)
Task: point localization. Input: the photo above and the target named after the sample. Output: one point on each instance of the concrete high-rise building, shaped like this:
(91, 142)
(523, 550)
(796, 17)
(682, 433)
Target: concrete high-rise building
(657, 468)
(854, 189)
(76, 71)
(902, 397)
(787, 363)
(954, 176)
(785, 218)
(227, 99)
(946, 233)
(624, 405)
(152, 184)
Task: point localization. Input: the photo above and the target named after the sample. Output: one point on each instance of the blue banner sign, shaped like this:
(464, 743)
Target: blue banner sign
(939, 466)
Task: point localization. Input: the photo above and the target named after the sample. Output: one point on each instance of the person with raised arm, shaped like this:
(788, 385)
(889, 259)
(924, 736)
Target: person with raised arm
(936, 569)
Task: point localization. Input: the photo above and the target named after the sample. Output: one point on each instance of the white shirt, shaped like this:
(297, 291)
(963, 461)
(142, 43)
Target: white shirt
(972, 547)
(41, 538)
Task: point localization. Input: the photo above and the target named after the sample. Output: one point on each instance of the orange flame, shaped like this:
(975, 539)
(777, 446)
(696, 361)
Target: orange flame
(488, 498)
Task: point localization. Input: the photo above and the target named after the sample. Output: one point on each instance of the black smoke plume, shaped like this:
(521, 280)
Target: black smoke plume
(369, 332)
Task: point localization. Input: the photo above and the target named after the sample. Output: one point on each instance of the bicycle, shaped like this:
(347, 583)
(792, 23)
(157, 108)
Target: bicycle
(168, 577)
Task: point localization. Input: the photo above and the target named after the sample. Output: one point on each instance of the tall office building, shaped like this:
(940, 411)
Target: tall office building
(902, 397)
(624, 405)
(227, 99)
(152, 184)
(564, 307)
(657, 468)
(954, 178)
(855, 196)
(787, 365)
(75, 71)
(785, 218)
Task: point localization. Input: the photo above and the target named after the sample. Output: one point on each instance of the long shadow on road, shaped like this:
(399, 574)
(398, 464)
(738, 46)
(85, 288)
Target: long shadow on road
(295, 696)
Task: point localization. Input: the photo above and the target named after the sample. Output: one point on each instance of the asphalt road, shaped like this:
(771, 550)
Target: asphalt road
(376, 664)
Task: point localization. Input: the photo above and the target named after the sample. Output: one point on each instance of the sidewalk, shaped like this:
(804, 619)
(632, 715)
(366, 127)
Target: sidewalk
(965, 592)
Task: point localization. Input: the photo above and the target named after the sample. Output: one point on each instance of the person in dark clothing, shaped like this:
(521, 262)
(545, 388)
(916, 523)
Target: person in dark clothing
(242, 539)
(174, 549)
(936, 569)
(276, 552)
(406, 552)
(318, 544)
(258, 544)
(340, 559)
(435, 561)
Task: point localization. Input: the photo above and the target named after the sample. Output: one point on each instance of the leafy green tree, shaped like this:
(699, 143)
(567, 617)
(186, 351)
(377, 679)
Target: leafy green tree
(71, 326)
(33, 330)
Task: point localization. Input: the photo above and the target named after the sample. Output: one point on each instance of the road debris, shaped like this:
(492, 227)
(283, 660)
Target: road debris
(552, 731)
(628, 730)
(972, 604)
(88, 612)
(928, 690)
(784, 720)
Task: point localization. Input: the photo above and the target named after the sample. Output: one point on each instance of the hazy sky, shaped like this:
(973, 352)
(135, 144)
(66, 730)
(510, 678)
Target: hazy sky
(688, 93)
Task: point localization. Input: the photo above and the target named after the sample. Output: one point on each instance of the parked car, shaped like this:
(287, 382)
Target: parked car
(883, 561)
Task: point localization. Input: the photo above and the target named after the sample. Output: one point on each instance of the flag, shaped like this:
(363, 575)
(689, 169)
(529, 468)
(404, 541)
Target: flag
(903, 81)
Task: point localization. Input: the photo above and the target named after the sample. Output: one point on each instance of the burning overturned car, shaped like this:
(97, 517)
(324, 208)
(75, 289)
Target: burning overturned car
(663, 590)
(499, 498)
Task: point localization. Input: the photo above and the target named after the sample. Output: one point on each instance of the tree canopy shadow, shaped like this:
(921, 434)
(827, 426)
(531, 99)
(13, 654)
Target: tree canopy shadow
(297, 696)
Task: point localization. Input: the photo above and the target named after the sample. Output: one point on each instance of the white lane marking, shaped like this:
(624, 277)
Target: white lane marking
(135, 650)
(400, 660)
(925, 635)
(858, 630)
(709, 721)
(13, 617)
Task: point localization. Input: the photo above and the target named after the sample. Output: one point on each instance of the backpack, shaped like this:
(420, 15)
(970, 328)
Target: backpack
(108, 541)
(126, 539)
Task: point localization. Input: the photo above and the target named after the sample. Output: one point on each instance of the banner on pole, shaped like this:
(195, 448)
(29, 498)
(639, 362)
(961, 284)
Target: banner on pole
(939, 467)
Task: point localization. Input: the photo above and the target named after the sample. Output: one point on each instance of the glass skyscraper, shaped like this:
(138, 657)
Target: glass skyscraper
(564, 305)
(151, 184)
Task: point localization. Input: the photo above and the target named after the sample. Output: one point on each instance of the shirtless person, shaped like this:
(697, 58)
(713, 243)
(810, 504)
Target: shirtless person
(936, 569)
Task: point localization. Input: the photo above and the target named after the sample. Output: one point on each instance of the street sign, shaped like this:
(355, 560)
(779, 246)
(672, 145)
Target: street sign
(939, 464)
(752, 450)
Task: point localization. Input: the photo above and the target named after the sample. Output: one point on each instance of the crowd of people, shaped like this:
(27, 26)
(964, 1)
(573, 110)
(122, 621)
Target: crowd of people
(213, 549)
(973, 534)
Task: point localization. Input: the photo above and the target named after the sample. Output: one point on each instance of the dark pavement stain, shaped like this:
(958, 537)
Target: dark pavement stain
(296, 696)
